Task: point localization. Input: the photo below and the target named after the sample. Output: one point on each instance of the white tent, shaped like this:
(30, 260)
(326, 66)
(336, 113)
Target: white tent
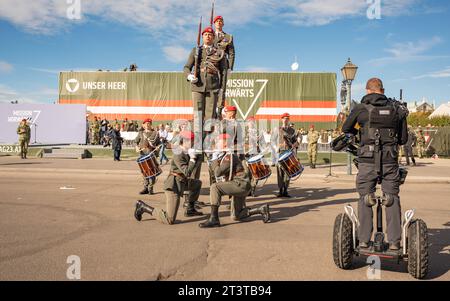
(442, 110)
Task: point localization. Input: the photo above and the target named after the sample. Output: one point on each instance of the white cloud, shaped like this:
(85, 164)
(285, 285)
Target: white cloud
(44, 95)
(176, 54)
(410, 51)
(436, 74)
(257, 69)
(5, 67)
(160, 17)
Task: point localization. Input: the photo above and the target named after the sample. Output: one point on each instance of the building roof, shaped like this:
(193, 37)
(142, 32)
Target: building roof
(442, 110)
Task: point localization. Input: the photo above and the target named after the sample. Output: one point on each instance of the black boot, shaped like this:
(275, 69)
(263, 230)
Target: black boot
(151, 190)
(213, 220)
(281, 193)
(144, 191)
(263, 210)
(141, 208)
(285, 193)
(191, 211)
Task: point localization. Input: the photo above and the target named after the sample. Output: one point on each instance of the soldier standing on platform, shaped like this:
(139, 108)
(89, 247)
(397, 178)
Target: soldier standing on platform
(205, 69)
(24, 132)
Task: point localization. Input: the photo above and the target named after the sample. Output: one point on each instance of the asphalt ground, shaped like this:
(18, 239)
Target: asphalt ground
(51, 209)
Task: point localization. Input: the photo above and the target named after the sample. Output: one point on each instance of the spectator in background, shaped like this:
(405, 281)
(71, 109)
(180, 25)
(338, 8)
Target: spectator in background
(117, 141)
(133, 67)
(103, 128)
(125, 125)
(88, 127)
(163, 138)
(131, 126)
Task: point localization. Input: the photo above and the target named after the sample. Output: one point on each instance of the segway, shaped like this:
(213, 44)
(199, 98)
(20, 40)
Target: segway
(414, 249)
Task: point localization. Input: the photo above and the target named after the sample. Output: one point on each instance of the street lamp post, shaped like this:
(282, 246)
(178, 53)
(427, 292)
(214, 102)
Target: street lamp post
(349, 73)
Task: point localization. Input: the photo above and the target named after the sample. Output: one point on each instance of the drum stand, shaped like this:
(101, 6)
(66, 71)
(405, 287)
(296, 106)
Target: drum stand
(330, 174)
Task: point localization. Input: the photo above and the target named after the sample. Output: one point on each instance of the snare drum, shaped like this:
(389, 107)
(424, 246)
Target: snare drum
(259, 168)
(149, 166)
(290, 164)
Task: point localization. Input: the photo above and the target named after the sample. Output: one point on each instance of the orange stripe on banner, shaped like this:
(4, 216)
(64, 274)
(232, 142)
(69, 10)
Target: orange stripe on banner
(144, 116)
(298, 104)
(128, 103)
(301, 118)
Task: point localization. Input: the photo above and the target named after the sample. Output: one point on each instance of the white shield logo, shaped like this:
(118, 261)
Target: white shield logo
(72, 85)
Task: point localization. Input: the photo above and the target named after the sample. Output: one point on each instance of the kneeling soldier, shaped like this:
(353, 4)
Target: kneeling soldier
(177, 182)
(232, 180)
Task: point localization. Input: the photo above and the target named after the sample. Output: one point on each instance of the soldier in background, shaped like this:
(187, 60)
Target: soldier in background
(409, 147)
(24, 132)
(313, 137)
(125, 125)
(420, 144)
(95, 131)
(147, 141)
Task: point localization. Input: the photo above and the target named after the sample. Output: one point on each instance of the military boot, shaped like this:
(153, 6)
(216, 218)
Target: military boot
(281, 193)
(191, 211)
(213, 220)
(263, 210)
(141, 208)
(144, 191)
(285, 193)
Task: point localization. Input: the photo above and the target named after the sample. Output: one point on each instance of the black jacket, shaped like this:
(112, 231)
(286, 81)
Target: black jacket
(360, 115)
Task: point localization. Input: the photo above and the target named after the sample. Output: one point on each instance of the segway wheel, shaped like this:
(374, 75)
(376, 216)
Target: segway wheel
(418, 249)
(343, 241)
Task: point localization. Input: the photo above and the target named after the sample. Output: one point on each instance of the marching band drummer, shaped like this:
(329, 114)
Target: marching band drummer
(178, 180)
(254, 145)
(287, 139)
(232, 180)
(147, 141)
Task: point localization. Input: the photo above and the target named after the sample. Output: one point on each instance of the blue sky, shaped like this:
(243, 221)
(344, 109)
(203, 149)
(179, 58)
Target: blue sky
(409, 47)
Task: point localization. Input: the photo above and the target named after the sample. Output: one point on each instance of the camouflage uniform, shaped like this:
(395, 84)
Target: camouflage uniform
(95, 132)
(420, 144)
(313, 137)
(24, 132)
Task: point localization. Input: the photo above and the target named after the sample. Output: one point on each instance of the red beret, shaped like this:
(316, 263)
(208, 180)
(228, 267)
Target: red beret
(147, 120)
(224, 136)
(217, 18)
(311, 125)
(207, 29)
(285, 115)
(230, 108)
(251, 118)
(187, 135)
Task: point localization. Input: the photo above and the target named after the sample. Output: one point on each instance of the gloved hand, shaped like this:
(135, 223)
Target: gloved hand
(192, 78)
(192, 154)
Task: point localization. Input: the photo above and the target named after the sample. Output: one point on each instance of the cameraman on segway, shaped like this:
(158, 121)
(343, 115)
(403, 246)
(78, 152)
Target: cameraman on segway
(383, 128)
